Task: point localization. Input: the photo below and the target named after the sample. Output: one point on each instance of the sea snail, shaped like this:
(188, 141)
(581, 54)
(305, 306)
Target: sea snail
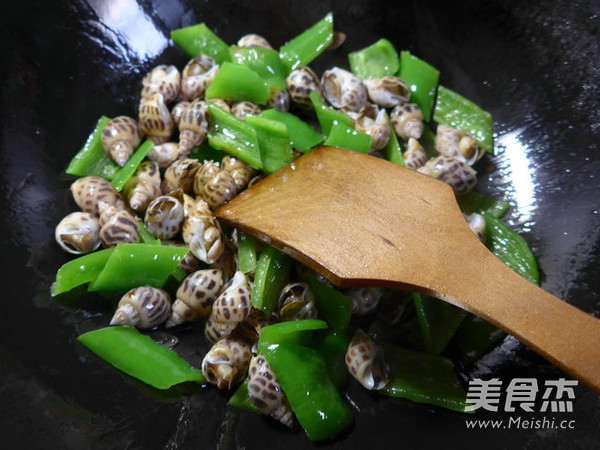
(89, 191)
(365, 362)
(78, 233)
(343, 89)
(143, 307)
(120, 137)
(226, 363)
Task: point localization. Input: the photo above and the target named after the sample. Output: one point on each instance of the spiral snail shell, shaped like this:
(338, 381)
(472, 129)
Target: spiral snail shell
(452, 171)
(163, 79)
(143, 187)
(226, 363)
(164, 154)
(164, 217)
(180, 175)
(155, 119)
(78, 233)
(388, 91)
(343, 89)
(241, 171)
(120, 137)
(300, 83)
(415, 155)
(297, 302)
(201, 232)
(364, 300)
(197, 75)
(120, 228)
(143, 307)
(366, 363)
(457, 144)
(253, 40)
(374, 123)
(193, 126)
(89, 191)
(245, 108)
(407, 120)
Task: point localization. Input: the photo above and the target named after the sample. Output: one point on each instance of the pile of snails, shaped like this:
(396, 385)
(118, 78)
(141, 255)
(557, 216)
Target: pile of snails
(174, 196)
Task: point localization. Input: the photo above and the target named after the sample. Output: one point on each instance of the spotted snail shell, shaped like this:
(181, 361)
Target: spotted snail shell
(180, 175)
(407, 120)
(197, 75)
(364, 300)
(193, 126)
(189, 264)
(78, 233)
(375, 125)
(415, 155)
(300, 83)
(143, 307)
(120, 137)
(164, 80)
(155, 119)
(241, 172)
(120, 228)
(253, 40)
(196, 295)
(217, 189)
(366, 363)
(477, 225)
(164, 154)
(89, 191)
(164, 217)
(388, 91)
(143, 187)
(343, 89)
(221, 104)
(452, 171)
(226, 363)
(265, 392)
(297, 302)
(201, 232)
(279, 99)
(245, 108)
(457, 144)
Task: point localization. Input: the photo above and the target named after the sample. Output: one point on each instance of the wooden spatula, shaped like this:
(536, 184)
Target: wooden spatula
(362, 221)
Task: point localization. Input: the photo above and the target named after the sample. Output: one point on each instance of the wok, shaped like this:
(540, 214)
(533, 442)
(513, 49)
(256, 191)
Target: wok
(533, 65)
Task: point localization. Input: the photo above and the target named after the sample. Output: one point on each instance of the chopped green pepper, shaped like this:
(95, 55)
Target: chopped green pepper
(423, 378)
(234, 136)
(305, 47)
(475, 336)
(327, 115)
(474, 202)
(264, 61)
(392, 150)
(205, 152)
(303, 137)
(199, 40)
(140, 357)
(454, 110)
(273, 143)
(125, 172)
(80, 271)
(270, 277)
(297, 332)
(341, 135)
(511, 248)
(422, 79)
(247, 252)
(145, 236)
(132, 265)
(241, 399)
(92, 160)
(332, 304)
(333, 346)
(237, 83)
(378, 60)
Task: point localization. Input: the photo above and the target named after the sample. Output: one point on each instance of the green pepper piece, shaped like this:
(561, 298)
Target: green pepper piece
(125, 172)
(297, 332)
(140, 357)
(240, 398)
(423, 378)
(234, 136)
(332, 304)
(378, 60)
(132, 265)
(305, 47)
(392, 150)
(422, 79)
(333, 346)
(474, 202)
(302, 374)
(303, 137)
(205, 152)
(145, 236)
(199, 40)
(273, 142)
(270, 277)
(247, 252)
(264, 61)
(511, 248)
(438, 320)
(237, 83)
(92, 160)
(341, 135)
(80, 271)
(454, 110)
(326, 115)
(475, 336)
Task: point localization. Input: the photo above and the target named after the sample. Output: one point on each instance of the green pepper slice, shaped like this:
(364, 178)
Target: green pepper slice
(333, 346)
(473, 202)
(392, 150)
(80, 271)
(237, 83)
(264, 61)
(127, 171)
(341, 135)
(332, 304)
(273, 142)
(199, 40)
(475, 337)
(92, 160)
(305, 47)
(378, 60)
(131, 265)
(247, 252)
(422, 79)
(327, 115)
(302, 136)
(140, 357)
(270, 277)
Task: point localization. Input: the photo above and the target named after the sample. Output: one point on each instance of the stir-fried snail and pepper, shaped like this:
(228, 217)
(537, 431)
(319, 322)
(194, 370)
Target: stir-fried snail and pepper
(229, 286)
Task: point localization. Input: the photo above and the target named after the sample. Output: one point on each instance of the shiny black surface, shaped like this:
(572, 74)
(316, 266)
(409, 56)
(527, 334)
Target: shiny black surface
(533, 65)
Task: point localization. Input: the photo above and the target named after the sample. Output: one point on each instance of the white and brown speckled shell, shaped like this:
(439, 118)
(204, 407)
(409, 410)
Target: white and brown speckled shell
(193, 126)
(233, 305)
(477, 225)
(226, 363)
(180, 175)
(366, 363)
(415, 155)
(253, 40)
(376, 125)
(201, 232)
(88, 192)
(143, 307)
(221, 104)
(164, 80)
(300, 83)
(155, 119)
(241, 171)
(119, 229)
(219, 189)
(78, 233)
(457, 144)
(197, 75)
(388, 91)
(120, 137)
(265, 392)
(164, 154)
(164, 217)
(297, 302)
(196, 295)
(214, 330)
(343, 89)
(279, 99)
(245, 108)
(452, 171)
(143, 187)
(365, 300)
(407, 120)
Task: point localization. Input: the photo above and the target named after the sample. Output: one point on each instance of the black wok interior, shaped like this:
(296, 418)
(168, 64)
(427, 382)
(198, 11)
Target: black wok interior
(533, 65)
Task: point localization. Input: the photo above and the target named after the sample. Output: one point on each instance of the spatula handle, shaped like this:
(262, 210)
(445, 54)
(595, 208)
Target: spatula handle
(561, 333)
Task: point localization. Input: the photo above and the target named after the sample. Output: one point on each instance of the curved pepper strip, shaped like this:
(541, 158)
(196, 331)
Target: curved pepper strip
(272, 270)
(140, 357)
(80, 271)
(378, 60)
